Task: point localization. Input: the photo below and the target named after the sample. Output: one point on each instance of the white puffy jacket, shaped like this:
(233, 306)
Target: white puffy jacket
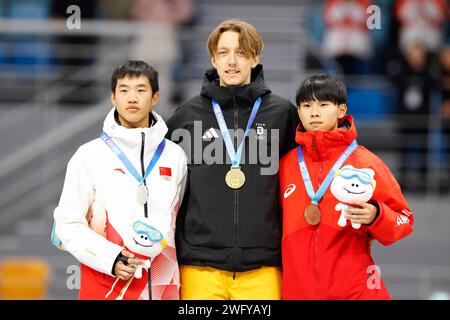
(95, 175)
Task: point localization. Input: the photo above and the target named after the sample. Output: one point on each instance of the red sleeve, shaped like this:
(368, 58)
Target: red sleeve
(395, 219)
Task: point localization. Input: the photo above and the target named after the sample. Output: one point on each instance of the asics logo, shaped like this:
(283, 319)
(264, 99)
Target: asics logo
(289, 190)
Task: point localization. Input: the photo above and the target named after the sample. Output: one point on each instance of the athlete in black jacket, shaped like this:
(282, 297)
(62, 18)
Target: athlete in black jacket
(224, 232)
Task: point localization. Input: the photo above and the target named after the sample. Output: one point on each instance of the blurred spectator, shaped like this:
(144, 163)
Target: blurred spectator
(421, 21)
(115, 9)
(445, 113)
(186, 55)
(385, 39)
(392, 56)
(347, 38)
(157, 42)
(447, 25)
(75, 52)
(415, 83)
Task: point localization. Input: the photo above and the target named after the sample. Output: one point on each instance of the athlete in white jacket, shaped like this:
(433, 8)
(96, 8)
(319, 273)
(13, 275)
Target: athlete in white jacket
(105, 215)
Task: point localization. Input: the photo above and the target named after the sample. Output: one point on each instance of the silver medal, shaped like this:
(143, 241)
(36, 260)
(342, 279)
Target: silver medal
(142, 194)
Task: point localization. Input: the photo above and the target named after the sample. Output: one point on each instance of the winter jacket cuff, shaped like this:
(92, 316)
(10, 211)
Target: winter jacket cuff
(110, 260)
(114, 263)
(375, 203)
(383, 229)
(378, 222)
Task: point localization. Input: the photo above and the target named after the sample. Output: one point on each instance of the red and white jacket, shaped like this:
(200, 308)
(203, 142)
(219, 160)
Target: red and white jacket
(330, 261)
(421, 21)
(99, 204)
(346, 29)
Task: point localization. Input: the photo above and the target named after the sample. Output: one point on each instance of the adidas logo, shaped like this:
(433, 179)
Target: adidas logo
(209, 134)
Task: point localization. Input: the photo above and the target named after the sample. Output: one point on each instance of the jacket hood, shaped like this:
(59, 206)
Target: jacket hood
(322, 144)
(133, 137)
(224, 95)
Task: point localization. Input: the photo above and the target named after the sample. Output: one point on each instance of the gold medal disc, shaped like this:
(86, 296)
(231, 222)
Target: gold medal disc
(313, 214)
(235, 178)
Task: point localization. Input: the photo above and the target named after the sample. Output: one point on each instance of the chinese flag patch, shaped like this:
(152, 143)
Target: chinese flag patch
(164, 171)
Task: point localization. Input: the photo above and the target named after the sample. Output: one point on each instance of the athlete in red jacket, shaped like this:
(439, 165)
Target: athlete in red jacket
(326, 247)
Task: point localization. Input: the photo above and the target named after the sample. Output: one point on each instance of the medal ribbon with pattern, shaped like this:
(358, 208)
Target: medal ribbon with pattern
(235, 178)
(312, 212)
(142, 191)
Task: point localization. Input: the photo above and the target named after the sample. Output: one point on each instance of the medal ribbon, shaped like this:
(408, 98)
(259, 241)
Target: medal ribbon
(234, 156)
(315, 197)
(115, 148)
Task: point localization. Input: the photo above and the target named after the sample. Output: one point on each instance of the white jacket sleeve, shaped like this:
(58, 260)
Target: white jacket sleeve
(71, 225)
(178, 198)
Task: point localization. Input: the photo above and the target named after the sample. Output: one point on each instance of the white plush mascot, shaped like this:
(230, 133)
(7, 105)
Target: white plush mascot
(349, 184)
(144, 240)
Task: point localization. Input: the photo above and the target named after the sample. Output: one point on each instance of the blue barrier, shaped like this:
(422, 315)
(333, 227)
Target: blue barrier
(370, 104)
(37, 9)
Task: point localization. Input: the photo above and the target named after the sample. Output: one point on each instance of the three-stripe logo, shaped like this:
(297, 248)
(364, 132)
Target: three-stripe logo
(209, 134)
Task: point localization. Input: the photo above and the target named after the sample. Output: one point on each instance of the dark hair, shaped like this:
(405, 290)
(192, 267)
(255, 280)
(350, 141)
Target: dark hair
(321, 87)
(135, 68)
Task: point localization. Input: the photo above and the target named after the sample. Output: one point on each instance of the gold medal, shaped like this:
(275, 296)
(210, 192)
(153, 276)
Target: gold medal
(313, 214)
(235, 178)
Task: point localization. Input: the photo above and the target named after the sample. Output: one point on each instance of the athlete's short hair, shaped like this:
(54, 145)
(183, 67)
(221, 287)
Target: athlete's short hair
(322, 87)
(135, 68)
(250, 40)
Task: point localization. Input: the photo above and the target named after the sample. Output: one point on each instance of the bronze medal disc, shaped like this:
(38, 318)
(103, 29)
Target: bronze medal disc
(235, 178)
(313, 214)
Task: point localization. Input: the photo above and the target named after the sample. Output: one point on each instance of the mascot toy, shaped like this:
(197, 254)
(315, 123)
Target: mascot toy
(350, 184)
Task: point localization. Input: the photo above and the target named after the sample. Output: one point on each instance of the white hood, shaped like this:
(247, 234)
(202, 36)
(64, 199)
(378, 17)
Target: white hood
(132, 138)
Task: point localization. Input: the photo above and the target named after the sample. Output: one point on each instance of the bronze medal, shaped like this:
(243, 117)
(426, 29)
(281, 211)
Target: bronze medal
(235, 178)
(313, 214)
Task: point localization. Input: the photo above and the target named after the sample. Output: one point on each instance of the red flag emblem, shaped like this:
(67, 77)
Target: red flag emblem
(164, 171)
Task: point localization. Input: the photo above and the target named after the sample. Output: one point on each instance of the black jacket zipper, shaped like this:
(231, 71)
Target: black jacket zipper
(236, 193)
(146, 212)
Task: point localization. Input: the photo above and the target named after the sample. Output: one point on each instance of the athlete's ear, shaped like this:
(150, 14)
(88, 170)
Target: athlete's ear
(113, 99)
(213, 62)
(342, 110)
(255, 61)
(155, 98)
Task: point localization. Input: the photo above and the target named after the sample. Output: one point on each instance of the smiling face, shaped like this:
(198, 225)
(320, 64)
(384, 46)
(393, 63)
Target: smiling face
(321, 115)
(143, 238)
(233, 66)
(134, 100)
(353, 184)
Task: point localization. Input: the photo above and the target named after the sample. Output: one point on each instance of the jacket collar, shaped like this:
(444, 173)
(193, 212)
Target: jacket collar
(323, 145)
(132, 138)
(245, 96)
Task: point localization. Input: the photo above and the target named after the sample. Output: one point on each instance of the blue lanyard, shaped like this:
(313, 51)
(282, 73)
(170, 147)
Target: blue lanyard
(234, 156)
(113, 146)
(315, 197)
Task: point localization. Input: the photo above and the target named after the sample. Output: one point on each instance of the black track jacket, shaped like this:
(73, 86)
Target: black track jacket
(234, 230)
